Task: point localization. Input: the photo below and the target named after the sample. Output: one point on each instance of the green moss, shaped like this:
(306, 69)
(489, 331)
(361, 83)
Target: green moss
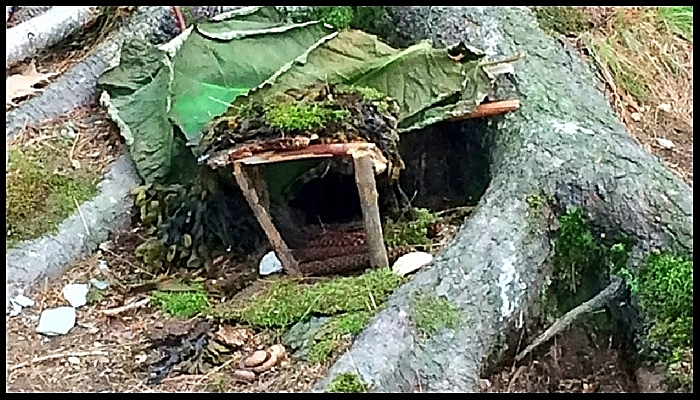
(407, 231)
(346, 383)
(564, 20)
(582, 262)
(430, 314)
(287, 302)
(339, 17)
(664, 289)
(339, 328)
(181, 304)
(42, 188)
(301, 117)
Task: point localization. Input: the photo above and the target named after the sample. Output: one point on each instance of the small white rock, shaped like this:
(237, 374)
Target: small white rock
(665, 107)
(73, 360)
(665, 143)
(56, 321)
(98, 284)
(411, 262)
(23, 301)
(75, 294)
(636, 116)
(270, 264)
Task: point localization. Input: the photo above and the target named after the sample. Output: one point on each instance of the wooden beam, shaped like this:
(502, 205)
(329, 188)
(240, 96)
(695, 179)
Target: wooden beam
(251, 195)
(490, 109)
(367, 187)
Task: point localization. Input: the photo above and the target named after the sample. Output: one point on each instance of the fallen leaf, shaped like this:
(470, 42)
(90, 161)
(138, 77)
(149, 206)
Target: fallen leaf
(20, 85)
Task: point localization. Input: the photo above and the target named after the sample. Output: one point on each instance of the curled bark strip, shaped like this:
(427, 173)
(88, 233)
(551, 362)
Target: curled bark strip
(28, 38)
(277, 354)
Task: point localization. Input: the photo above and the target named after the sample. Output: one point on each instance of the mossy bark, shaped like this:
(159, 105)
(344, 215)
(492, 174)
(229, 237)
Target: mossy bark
(565, 142)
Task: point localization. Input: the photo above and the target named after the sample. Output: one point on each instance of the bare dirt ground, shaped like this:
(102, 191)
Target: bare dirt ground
(108, 353)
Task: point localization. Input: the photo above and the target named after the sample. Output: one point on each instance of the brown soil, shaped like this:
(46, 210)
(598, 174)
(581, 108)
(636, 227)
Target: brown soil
(110, 351)
(574, 362)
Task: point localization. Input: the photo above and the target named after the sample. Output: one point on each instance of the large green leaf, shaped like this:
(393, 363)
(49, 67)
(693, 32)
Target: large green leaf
(142, 117)
(209, 73)
(428, 85)
(139, 61)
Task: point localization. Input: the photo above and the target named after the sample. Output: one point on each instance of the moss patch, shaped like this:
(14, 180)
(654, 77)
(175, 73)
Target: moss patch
(564, 20)
(346, 383)
(339, 17)
(181, 304)
(42, 188)
(409, 231)
(430, 314)
(664, 288)
(338, 329)
(582, 262)
(286, 302)
(301, 117)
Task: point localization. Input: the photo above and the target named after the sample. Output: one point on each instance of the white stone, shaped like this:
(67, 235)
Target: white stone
(98, 284)
(75, 294)
(665, 143)
(56, 321)
(411, 262)
(23, 301)
(270, 264)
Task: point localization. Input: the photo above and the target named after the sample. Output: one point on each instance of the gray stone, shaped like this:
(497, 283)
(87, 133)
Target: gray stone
(56, 321)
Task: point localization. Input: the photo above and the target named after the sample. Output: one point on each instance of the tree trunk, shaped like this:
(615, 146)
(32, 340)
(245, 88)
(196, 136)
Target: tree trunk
(565, 141)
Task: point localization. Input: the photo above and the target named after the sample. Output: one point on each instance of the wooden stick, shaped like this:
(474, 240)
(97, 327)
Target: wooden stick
(490, 109)
(598, 301)
(366, 185)
(311, 151)
(119, 310)
(179, 18)
(278, 245)
(61, 355)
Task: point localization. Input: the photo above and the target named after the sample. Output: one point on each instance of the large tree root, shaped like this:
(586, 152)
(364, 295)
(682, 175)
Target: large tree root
(564, 142)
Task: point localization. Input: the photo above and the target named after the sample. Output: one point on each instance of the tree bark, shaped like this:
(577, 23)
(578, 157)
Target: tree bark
(565, 141)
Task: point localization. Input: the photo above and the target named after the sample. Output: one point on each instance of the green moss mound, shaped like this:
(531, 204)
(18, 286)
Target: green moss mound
(42, 189)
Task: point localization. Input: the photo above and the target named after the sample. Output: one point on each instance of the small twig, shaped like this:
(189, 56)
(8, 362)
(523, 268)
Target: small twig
(455, 209)
(119, 310)
(371, 297)
(515, 377)
(80, 212)
(61, 355)
(72, 149)
(179, 18)
(598, 301)
(213, 371)
(489, 110)
(514, 58)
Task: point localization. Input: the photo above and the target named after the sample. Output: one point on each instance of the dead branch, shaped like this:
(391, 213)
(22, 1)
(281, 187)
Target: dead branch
(598, 301)
(29, 38)
(60, 355)
(119, 310)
